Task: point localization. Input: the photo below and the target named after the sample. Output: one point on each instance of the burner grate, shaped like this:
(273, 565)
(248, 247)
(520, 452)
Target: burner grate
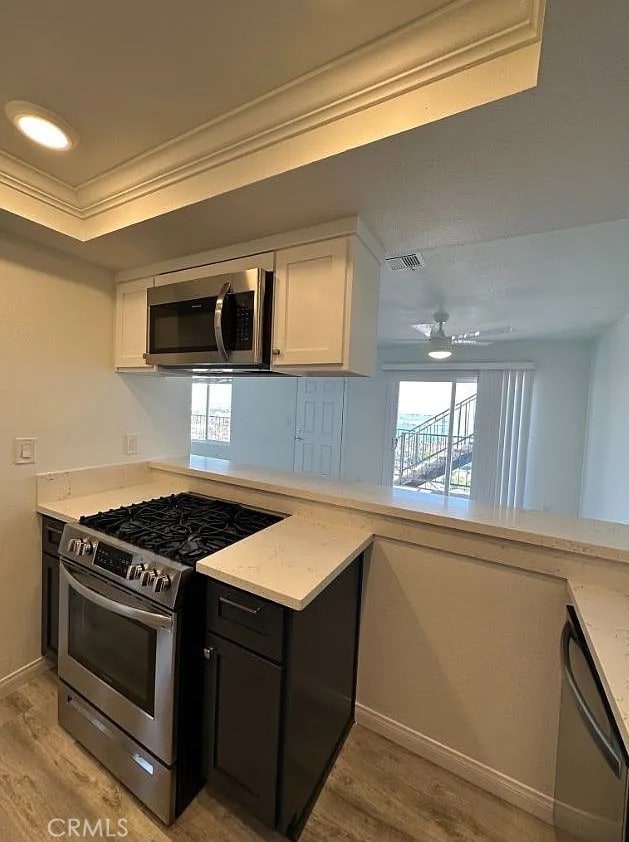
(181, 527)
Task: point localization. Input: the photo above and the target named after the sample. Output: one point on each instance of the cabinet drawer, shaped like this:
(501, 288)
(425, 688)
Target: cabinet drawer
(246, 619)
(51, 535)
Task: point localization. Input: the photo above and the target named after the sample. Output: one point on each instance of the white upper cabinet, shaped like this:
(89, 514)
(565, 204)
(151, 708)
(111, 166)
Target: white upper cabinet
(326, 308)
(130, 340)
(224, 267)
(325, 300)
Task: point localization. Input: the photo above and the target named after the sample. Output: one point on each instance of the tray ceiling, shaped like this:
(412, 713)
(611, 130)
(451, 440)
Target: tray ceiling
(544, 160)
(174, 108)
(129, 76)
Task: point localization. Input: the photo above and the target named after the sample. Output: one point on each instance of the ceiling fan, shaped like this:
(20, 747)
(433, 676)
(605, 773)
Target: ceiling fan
(440, 345)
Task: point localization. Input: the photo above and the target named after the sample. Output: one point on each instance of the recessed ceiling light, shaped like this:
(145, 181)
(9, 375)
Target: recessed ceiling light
(41, 126)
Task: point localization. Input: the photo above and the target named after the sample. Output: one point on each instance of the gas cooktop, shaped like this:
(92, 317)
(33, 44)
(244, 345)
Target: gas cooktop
(182, 527)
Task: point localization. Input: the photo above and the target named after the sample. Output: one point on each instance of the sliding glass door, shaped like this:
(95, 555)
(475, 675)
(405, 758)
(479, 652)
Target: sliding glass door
(434, 436)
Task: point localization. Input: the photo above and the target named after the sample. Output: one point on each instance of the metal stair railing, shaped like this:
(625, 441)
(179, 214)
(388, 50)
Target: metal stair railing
(421, 453)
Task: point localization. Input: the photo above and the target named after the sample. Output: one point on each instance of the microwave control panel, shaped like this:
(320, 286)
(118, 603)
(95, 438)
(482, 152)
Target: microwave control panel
(243, 322)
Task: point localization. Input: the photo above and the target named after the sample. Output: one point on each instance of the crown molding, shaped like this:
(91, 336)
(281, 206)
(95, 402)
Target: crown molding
(464, 54)
(35, 195)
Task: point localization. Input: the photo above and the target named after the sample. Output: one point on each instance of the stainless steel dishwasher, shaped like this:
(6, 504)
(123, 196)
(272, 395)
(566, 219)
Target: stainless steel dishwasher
(591, 781)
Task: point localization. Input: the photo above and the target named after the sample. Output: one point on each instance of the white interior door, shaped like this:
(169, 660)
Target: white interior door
(319, 425)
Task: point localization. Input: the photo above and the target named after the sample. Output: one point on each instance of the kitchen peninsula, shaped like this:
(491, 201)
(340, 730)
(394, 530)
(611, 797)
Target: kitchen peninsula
(462, 605)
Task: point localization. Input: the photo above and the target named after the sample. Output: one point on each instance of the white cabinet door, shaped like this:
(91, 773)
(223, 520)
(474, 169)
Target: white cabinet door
(131, 325)
(319, 425)
(310, 304)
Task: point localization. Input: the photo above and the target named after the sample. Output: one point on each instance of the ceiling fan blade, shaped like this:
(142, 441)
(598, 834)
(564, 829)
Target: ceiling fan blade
(481, 334)
(495, 331)
(426, 330)
(477, 342)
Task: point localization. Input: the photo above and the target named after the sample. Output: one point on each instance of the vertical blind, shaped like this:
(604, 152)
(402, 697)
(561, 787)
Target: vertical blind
(501, 435)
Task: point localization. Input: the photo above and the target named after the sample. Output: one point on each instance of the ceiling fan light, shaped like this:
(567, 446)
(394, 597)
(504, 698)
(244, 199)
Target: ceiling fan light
(440, 345)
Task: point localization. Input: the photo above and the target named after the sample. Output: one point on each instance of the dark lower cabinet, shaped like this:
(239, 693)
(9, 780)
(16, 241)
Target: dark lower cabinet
(51, 536)
(280, 689)
(50, 607)
(243, 716)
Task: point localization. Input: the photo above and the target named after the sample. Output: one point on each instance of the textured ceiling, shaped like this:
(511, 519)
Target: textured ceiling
(560, 284)
(548, 159)
(131, 75)
(553, 157)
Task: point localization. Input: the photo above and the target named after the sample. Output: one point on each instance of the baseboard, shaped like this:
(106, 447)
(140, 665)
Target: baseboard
(510, 790)
(15, 679)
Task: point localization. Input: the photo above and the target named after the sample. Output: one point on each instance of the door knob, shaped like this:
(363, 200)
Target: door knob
(208, 653)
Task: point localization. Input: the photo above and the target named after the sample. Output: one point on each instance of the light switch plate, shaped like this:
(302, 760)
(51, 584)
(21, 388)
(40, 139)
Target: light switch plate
(131, 446)
(24, 451)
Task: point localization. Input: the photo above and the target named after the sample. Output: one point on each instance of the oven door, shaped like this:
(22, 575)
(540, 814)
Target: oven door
(215, 320)
(119, 652)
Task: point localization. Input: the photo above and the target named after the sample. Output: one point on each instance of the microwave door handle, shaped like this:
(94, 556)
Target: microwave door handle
(147, 618)
(607, 748)
(218, 321)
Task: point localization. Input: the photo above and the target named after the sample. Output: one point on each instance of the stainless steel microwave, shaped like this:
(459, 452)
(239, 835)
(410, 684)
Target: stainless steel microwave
(218, 324)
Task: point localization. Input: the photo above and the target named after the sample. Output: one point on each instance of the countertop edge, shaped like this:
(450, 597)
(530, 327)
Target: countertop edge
(296, 602)
(276, 596)
(619, 717)
(516, 534)
(42, 509)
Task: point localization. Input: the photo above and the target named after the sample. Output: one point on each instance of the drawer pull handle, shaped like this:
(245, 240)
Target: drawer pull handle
(240, 607)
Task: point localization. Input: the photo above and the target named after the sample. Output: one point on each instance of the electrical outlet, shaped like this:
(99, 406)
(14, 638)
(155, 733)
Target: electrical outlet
(24, 451)
(131, 447)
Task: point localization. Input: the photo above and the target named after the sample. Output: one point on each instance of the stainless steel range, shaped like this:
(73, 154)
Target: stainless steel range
(131, 618)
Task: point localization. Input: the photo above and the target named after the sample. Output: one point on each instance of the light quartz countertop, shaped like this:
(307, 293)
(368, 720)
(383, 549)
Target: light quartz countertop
(70, 509)
(597, 539)
(289, 563)
(604, 617)
(293, 560)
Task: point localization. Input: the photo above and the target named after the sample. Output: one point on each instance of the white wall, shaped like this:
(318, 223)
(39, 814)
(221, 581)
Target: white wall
(366, 412)
(465, 654)
(558, 421)
(557, 432)
(262, 425)
(605, 492)
(263, 418)
(57, 384)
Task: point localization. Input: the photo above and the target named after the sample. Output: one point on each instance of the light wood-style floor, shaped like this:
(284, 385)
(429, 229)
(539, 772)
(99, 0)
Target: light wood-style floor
(377, 792)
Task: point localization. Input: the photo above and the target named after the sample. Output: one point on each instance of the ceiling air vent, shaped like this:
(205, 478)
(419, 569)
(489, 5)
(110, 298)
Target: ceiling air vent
(406, 262)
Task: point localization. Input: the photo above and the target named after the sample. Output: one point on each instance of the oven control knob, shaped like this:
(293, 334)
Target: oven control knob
(135, 571)
(147, 577)
(84, 547)
(73, 545)
(161, 583)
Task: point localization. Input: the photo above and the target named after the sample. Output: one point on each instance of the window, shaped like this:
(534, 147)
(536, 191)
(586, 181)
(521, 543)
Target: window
(434, 439)
(463, 434)
(211, 410)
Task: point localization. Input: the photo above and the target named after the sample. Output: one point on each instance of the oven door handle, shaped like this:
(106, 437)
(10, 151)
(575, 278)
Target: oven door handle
(147, 618)
(218, 320)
